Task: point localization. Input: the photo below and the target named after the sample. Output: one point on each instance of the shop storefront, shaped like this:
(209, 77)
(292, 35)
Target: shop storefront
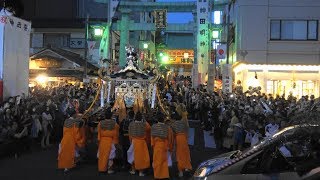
(53, 67)
(179, 61)
(298, 80)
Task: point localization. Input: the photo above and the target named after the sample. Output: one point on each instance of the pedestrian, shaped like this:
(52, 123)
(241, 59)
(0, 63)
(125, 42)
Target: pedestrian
(124, 138)
(138, 153)
(71, 140)
(180, 129)
(108, 137)
(47, 128)
(272, 128)
(162, 144)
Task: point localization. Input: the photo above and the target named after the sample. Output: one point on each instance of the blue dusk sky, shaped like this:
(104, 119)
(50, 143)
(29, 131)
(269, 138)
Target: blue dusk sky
(178, 17)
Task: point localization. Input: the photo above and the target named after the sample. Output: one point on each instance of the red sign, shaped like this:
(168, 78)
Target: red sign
(221, 52)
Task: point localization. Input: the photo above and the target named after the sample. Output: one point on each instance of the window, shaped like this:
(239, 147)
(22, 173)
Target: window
(294, 30)
(37, 40)
(253, 165)
(56, 40)
(217, 17)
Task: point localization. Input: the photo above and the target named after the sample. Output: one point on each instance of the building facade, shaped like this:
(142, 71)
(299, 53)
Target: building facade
(275, 45)
(63, 26)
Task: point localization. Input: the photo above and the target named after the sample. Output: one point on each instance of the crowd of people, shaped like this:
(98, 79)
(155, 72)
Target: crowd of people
(135, 144)
(38, 119)
(240, 119)
(144, 139)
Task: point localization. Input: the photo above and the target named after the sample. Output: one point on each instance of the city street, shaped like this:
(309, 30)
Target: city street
(102, 82)
(42, 164)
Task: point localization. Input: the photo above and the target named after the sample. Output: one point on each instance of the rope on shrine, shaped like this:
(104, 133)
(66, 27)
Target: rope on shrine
(95, 98)
(160, 103)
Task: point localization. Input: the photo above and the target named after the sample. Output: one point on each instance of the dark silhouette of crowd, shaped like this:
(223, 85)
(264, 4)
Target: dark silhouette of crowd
(240, 119)
(235, 120)
(37, 120)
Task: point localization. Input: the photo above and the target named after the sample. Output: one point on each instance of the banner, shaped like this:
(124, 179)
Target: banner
(195, 76)
(154, 96)
(211, 77)
(109, 91)
(221, 51)
(227, 78)
(91, 46)
(15, 51)
(203, 37)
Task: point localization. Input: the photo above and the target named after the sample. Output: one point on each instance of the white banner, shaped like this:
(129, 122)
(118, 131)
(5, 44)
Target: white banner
(203, 43)
(227, 78)
(91, 45)
(211, 77)
(154, 96)
(109, 91)
(221, 51)
(14, 49)
(16, 23)
(195, 76)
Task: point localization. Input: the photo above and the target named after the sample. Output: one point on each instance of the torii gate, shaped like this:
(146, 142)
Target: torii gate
(200, 28)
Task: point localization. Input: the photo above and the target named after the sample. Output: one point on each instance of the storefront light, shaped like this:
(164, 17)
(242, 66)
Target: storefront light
(253, 82)
(275, 67)
(42, 78)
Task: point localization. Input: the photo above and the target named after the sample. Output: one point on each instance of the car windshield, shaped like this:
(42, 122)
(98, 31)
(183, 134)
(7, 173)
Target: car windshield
(265, 142)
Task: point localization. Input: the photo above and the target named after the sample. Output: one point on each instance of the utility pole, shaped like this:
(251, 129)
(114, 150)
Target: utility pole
(211, 65)
(228, 37)
(86, 47)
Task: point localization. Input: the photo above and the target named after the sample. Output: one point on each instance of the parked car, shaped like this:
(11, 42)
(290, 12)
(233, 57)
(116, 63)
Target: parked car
(293, 153)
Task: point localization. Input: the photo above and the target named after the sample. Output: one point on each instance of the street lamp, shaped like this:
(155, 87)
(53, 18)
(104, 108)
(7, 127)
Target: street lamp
(215, 34)
(145, 46)
(98, 31)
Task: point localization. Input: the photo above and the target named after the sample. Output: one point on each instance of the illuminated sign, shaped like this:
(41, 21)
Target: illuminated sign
(179, 56)
(46, 63)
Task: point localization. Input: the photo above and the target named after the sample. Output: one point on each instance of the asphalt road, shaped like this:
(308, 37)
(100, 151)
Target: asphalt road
(40, 164)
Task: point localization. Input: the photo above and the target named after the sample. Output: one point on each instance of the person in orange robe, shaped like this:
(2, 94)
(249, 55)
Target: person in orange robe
(180, 129)
(138, 151)
(161, 142)
(71, 141)
(108, 137)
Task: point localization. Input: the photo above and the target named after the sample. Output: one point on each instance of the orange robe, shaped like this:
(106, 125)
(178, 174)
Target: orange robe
(106, 139)
(183, 152)
(141, 152)
(71, 139)
(160, 155)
